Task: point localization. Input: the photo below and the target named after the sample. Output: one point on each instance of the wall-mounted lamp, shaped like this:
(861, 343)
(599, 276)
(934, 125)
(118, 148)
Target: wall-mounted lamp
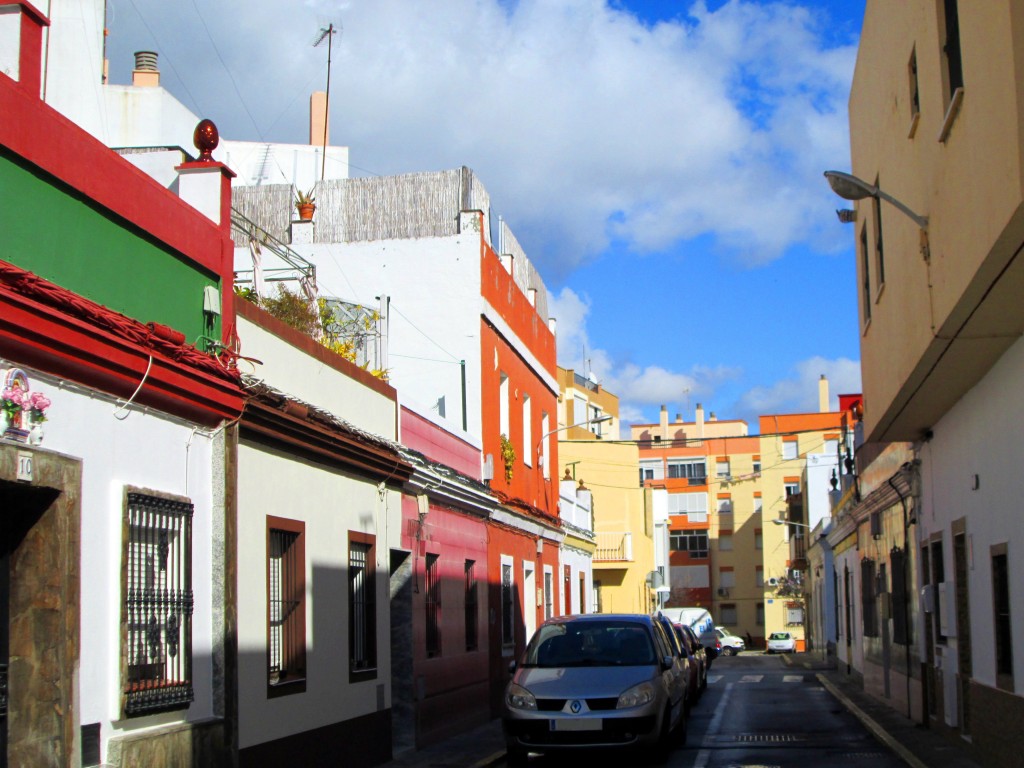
(849, 187)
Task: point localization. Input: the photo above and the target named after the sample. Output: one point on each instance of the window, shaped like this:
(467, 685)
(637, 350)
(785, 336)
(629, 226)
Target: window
(472, 606)
(724, 506)
(758, 504)
(830, 446)
(694, 470)
(727, 614)
(789, 448)
(549, 600)
(791, 489)
(693, 542)
(158, 604)
(726, 578)
(758, 575)
(693, 505)
(759, 614)
(951, 49)
(722, 467)
(865, 277)
(915, 93)
(286, 606)
(876, 212)
(794, 614)
(545, 439)
(508, 612)
(867, 595)
(566, 590)
(758, 539)
(1001, 616)
(583, 592)
(527, 431)
(725, 541)
(362, 615)
(651, 469)
(503, 405)
(433, 605)
(757, 463)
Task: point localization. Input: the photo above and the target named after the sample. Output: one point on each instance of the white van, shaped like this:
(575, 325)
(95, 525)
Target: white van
(698, 619)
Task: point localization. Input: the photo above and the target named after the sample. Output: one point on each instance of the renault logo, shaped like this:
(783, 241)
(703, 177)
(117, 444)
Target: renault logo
(575, 707)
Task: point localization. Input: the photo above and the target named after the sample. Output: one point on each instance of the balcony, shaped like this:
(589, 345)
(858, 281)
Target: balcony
(614, 547)
(798, 550)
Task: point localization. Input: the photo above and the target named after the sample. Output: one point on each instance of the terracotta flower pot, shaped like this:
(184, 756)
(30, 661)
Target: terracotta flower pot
(306, 211)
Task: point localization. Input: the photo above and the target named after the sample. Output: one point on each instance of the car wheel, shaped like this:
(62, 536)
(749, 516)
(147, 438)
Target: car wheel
(729, 651)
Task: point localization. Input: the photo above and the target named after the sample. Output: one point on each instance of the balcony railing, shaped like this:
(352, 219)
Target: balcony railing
(614, 547)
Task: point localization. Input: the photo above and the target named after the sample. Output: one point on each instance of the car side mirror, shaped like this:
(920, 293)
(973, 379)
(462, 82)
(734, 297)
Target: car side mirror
(667, 662)
(512, 667)
(712, 653)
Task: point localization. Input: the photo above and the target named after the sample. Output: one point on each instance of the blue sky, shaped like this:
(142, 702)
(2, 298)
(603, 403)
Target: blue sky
(660, 162)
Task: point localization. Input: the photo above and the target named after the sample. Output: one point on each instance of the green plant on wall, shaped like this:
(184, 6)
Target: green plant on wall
(508, 456)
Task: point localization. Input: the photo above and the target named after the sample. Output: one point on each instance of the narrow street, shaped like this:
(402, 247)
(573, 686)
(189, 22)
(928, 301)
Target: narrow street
(757, 711)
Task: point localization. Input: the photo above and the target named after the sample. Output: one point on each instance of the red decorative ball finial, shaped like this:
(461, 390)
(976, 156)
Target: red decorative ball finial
(206, 138)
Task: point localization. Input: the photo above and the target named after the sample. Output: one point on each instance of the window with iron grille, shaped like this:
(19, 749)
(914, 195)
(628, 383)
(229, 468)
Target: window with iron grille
(158, 605)
(507, 606)
(549, 606)
(433, 604)
(900, 605)
(1001, 614)
(472, 607)
(286, 606)
(362, 614)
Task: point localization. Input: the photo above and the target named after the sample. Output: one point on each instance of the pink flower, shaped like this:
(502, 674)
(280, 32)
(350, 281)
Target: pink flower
(13, 396)
(38, 401)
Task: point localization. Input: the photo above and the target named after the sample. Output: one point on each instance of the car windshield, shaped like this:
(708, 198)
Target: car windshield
(590, 644)
(779, 636)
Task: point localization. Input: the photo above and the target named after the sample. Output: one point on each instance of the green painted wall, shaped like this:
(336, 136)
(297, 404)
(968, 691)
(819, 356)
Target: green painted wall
(61, 236)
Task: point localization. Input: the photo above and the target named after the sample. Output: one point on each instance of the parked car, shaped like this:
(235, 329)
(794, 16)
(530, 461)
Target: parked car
(685, 659)
(597, 680)
(781, 642)
(731, 644)
(699, 654)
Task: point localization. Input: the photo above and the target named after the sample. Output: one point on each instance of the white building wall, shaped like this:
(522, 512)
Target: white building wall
(819, 474)
(980, 436)
(306, 378)
(148, 450)
(578, 561)
(331, 504)
(427, 337)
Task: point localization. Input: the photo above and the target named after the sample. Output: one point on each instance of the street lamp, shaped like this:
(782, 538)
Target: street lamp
(546, 435)
(782, 521)
(849, 187)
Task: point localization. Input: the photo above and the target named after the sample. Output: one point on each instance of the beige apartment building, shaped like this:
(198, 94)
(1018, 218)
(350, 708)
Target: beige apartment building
(622, 515)
(937, 147)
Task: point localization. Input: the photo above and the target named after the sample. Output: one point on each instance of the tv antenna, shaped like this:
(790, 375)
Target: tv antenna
(326, 33)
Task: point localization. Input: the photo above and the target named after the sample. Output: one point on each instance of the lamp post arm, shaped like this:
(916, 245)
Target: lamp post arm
(921, 221)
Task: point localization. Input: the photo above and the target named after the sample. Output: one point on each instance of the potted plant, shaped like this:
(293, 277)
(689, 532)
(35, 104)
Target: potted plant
(305, 204)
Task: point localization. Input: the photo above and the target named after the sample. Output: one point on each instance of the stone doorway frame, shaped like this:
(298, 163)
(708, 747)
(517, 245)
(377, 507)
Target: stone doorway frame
(45, 517)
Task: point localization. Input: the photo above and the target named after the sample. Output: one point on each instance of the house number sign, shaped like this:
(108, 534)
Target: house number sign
(25, 466)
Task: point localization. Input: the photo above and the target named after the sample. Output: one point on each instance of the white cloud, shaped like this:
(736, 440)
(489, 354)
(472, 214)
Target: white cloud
(799, 393)
(583, 122)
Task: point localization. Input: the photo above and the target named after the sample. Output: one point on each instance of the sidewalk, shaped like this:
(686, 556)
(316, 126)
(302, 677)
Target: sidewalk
(479, 748)
(918, 746)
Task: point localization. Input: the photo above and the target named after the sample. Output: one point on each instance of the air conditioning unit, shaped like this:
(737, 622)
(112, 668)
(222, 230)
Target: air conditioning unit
(723, 592)
(773, 582)
(796, 574)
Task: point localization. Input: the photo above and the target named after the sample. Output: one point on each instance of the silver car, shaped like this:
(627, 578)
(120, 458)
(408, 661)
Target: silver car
(599, 680)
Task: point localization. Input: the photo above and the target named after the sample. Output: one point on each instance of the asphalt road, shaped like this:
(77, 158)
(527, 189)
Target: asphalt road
(759, 713)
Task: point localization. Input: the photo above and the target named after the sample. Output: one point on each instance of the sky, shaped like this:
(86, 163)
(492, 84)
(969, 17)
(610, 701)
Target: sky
(660, 162)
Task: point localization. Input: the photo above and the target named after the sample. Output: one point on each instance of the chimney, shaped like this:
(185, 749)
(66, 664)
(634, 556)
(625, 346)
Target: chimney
(823, 394)
(319, 120)
(700, 421)
(712, 417)
(664, 423)
(146, 74)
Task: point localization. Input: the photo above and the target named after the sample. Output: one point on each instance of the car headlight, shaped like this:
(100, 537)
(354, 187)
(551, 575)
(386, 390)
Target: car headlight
(636, 696)
(520, 698)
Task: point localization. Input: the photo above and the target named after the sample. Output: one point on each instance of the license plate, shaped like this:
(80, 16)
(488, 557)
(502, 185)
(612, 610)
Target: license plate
(583, 724)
